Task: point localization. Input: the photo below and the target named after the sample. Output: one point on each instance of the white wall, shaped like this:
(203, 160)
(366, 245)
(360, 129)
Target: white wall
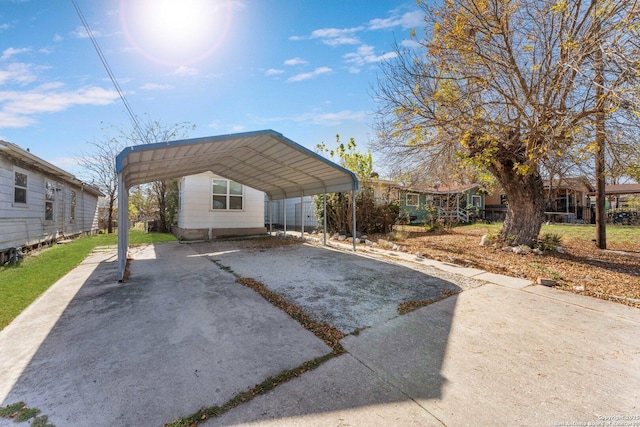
(196, 209)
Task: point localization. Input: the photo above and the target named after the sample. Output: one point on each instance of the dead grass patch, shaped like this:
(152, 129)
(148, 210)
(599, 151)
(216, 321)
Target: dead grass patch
(582, 268)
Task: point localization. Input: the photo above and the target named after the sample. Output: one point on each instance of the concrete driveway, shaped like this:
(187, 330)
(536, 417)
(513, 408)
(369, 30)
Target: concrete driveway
(178, 336)
(181, 334)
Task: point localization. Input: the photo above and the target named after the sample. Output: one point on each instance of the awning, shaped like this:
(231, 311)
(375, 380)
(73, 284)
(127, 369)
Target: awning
(264, 160)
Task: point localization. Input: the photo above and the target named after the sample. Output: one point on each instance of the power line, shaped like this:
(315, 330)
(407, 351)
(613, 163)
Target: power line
(103, 59)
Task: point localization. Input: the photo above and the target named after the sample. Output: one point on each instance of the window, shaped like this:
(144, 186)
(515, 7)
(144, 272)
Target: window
(49, 199)
(412, 199)
(227, 195)
(476, 201)
(73, 206)
(20, 188)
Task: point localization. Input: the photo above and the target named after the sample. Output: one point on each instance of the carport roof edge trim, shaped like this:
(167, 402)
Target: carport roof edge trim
(121, 164)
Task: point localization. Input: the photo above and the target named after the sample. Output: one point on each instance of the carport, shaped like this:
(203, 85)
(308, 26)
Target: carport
(264, 160)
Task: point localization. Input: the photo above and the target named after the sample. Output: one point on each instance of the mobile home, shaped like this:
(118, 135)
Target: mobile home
(40, 203)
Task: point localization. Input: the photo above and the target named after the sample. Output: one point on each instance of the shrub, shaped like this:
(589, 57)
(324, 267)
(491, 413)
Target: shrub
(549, 241)
(371, 217)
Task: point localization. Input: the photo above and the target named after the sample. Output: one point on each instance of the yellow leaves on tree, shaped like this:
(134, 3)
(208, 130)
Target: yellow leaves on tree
(560, 6)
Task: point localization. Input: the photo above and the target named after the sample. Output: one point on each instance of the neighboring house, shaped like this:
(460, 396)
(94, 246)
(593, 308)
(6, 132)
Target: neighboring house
(622, 203)
(212, 206)
(566, 200)
(103, 213)
(40, 203)
(462, 203)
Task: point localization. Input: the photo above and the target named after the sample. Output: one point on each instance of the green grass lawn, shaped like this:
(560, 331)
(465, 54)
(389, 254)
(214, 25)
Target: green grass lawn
(21, 284)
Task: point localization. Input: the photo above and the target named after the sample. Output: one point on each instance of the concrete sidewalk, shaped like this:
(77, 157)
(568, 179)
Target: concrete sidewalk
(492, 355)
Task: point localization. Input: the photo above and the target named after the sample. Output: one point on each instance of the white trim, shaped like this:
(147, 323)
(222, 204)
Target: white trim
(50, 186)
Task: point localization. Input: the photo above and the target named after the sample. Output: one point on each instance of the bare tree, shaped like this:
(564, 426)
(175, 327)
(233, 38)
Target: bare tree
(506, 83)
(149, 132)
(99, 165)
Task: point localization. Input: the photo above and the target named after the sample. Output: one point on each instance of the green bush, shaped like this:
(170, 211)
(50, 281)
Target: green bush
(549, 241)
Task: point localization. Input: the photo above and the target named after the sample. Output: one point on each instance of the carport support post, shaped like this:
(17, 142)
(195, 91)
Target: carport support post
(353, 234)
(123, 227)
(302, 214)
(270, 215)
(284, 202)
(324, 217)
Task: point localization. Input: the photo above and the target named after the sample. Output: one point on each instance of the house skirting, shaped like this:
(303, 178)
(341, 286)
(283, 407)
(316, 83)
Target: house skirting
(44, 242)
(212, 233)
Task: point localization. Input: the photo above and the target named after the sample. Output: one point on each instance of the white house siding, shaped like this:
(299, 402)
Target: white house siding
(196, 212)
(24, 225)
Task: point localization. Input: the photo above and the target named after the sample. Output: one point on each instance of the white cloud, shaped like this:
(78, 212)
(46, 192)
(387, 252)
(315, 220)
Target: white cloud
(81, 33)
(156, 86)
(8, 120)
(333, 36)
(338, 41)
(273, 72)
(18, 108)
(17, 73)
(315, 118)
(330, 33)
(310, 75)
(4, 27)
(237, 128)
(57, 38)
(295, 61)
(184, 71)
(366, 55)
(407, 20)
(50, 86)
(333, 119)
(11, 51)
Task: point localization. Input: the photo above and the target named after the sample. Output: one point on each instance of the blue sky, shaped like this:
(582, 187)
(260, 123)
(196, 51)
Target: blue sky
(304, 68)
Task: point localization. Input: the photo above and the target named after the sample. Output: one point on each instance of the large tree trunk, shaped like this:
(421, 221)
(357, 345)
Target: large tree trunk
(525, 204)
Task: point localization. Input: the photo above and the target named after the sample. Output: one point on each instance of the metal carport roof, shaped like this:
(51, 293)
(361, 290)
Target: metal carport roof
(264, 160)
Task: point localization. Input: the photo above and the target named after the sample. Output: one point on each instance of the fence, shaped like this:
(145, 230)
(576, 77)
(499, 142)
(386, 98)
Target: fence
(293, 214)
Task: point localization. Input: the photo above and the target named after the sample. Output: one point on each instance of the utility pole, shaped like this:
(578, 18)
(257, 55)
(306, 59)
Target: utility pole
(601, 214)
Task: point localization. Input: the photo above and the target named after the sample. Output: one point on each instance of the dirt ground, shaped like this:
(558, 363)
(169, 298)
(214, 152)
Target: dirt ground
(612, 274)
